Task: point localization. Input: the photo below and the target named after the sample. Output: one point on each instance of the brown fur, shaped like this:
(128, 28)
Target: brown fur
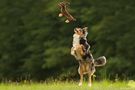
(65, 12)
(88, 66)
(85, 67)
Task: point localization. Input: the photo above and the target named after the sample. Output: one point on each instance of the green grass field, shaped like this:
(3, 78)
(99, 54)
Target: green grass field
(103, 85)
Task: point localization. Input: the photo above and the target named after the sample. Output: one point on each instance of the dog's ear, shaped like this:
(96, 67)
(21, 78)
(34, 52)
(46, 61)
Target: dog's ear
(85, 28)
(75, 30)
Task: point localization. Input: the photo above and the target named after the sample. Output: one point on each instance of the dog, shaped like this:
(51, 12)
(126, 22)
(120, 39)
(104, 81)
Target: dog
(87, 65)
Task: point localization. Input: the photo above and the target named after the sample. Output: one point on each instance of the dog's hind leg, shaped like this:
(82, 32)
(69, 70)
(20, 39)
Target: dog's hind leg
(81, 76)
(90, 81)
(81, 79)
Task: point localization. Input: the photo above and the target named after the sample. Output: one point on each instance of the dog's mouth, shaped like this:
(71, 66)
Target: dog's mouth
(77, 29)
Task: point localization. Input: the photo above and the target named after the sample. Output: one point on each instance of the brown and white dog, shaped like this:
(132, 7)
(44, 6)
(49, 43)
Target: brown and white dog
(86, 65)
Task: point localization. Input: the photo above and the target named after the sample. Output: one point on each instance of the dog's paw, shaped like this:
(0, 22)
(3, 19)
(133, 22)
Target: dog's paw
(80, 84)
(89, 84)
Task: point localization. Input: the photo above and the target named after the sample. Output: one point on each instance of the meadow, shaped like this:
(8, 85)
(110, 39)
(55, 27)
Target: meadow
(101, 85)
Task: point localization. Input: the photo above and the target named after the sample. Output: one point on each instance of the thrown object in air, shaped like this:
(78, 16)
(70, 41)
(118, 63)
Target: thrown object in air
(65, 12)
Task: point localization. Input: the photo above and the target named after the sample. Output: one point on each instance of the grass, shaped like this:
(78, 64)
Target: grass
(103, 85)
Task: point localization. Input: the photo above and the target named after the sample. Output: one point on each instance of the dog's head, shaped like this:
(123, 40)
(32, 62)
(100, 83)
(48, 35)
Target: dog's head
(78, 31)
(81, 31)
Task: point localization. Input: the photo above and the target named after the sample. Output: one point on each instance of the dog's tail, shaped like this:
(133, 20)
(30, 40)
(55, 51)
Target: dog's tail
(101, 61)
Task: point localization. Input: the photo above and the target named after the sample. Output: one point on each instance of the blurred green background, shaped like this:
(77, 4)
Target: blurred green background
(35, 43)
